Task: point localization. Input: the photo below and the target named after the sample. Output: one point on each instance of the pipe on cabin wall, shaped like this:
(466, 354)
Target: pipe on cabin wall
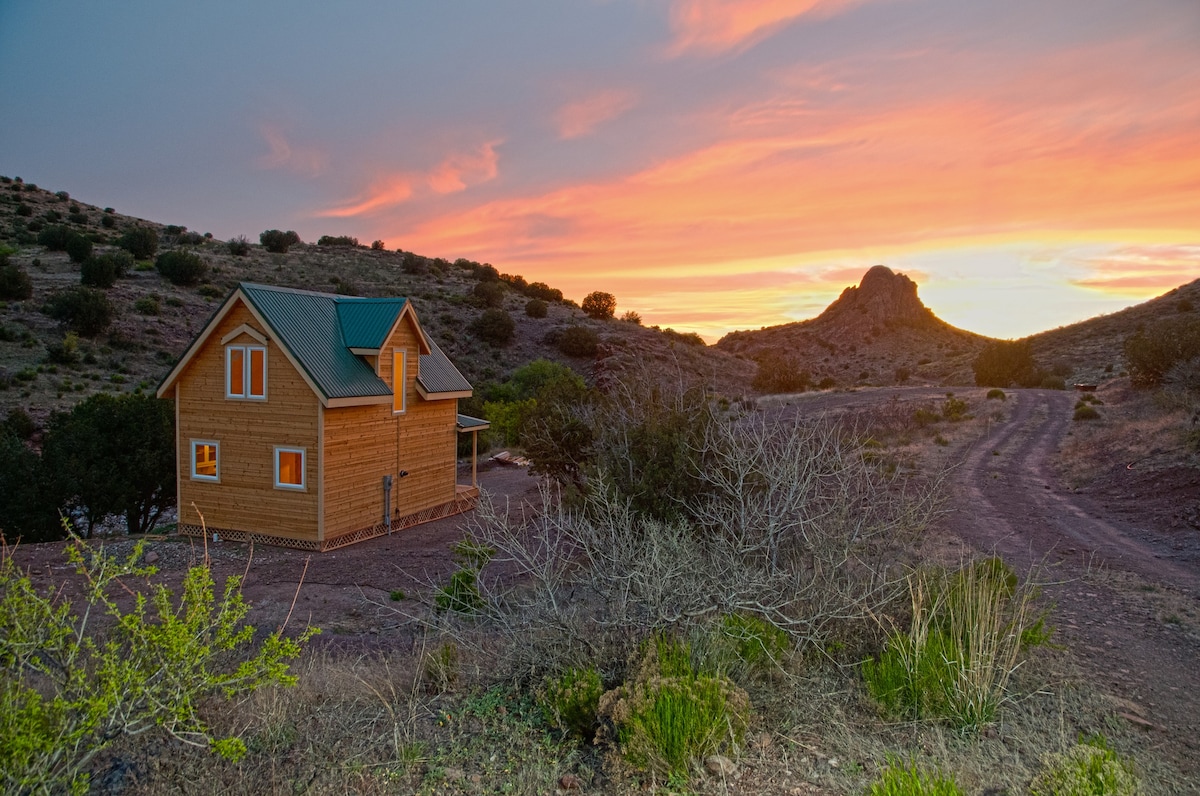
(387, 503)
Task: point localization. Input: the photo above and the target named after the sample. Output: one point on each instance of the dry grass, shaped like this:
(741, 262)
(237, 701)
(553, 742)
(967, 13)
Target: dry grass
(1146, 429)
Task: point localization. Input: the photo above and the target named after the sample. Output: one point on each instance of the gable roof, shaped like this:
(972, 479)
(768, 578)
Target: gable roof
(323, 335)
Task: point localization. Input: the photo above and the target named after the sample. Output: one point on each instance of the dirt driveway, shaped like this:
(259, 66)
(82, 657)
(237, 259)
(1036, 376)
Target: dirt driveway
(1125, 584)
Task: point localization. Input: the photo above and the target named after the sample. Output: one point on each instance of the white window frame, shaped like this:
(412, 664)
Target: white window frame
(245, 350)
(400, 382)
(303, 485)
(216, 446)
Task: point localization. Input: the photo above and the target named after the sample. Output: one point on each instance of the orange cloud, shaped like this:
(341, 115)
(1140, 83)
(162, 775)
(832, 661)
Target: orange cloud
(1141, 270)
(712, 27)
(281, 154)
(454, 173)
(581, 117)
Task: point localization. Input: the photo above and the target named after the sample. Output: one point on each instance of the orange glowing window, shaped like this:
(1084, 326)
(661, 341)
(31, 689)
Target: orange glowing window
(205, 460)
(398, 380)
(246, 372)
(289, 468)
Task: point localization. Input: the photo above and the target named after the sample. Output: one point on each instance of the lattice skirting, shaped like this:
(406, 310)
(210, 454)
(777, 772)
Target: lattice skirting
(464, 502)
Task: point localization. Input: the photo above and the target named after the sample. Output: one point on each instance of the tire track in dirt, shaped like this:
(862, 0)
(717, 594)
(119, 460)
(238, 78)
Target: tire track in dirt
(1009, 502)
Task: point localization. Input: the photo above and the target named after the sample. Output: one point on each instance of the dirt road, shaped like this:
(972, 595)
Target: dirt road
(1120, 586)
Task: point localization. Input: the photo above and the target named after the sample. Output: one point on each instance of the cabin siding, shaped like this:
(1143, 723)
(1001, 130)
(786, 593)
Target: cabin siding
(245, 498)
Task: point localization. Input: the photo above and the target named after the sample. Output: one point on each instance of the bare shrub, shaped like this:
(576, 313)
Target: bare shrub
(796, 527)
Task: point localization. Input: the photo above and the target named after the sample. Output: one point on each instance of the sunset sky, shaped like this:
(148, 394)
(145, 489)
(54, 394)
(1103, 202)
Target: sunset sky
(715, 165)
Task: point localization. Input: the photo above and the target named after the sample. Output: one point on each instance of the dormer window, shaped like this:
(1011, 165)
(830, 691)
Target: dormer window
(246, 372)
(399, 404)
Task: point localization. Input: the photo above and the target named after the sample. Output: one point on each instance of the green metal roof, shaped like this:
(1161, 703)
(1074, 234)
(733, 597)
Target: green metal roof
(319, 329)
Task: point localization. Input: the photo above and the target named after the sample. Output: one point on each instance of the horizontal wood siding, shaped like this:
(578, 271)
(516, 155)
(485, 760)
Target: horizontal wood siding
(360, 449)
(365, 443)
(248, 431)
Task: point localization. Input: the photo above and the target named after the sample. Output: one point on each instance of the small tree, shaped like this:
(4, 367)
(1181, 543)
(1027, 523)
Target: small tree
(79, 248)
(115, 455)
(15, 284)
(141, 242)
(98, 272)
(69, 691)
(239, 246)
(578, 341)
(28, 501)
(536, 308)
(86, 310)
(1155, 349)
(55, 237)
(1003, 363)
(494, 326)
(488, 294)
(377, 246)
(278, 242)
(599, 305)
(181, 268)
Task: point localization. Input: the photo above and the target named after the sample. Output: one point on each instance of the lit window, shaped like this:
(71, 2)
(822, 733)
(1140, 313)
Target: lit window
(206, 460)
(289, 468)
(246, 372)
(398, 381)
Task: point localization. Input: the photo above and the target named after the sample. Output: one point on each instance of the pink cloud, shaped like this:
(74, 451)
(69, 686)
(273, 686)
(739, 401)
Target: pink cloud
(454, 173)
(282, 154)
(712, 27)
(581, 117)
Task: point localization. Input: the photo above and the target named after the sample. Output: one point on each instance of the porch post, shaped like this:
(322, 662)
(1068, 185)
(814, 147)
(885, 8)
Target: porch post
(474, 458)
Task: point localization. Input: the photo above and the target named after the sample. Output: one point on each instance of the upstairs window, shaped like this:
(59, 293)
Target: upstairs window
(289, 468)
(206, 460)
(246, 372)
(398, 380)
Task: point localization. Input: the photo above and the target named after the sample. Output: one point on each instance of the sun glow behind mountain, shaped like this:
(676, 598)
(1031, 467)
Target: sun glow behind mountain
(716, 165)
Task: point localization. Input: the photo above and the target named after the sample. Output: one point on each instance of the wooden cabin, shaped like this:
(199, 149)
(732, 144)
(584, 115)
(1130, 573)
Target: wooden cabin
(314, 421)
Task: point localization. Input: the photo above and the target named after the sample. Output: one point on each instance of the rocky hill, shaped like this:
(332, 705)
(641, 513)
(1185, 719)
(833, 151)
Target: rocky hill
(154, 320)
(878, 332)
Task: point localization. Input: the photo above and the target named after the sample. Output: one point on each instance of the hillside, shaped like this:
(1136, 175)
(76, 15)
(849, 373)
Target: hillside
(1094, 348)
(876, 333)
(155, 320)
(880, 331)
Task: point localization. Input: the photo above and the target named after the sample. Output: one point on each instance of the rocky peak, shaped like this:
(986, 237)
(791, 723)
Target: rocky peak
(883, 296)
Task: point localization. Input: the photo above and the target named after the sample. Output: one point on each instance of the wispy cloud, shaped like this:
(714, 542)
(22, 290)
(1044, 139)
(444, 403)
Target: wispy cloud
(582, 116)
(307, 161)
(1141, 270)
(713, 27)
(454, 173)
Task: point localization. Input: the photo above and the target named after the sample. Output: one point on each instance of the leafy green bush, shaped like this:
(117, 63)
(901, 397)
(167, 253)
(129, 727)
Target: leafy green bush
(181, 267)
(1086, 412)
(68, 691)
(578, 341)
(669, 715)
(148, 305)
(79, 248)
(15, 284)
(599, 305)
(909, 780)
(536, 308)
(756, 642)
(1089, 768)
(98, 272)
(344, 241)
(141, 242)
(777, 373)
(494, 326)
(571, 701)
(954, 409)
(239, 246)
(461, 592)
(488, 294)
(64, 352)
(86, 310)
(278, 242)
(108, 221)
(1003, 363)
(1157, 348)
(55, 238)
(996, 394)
